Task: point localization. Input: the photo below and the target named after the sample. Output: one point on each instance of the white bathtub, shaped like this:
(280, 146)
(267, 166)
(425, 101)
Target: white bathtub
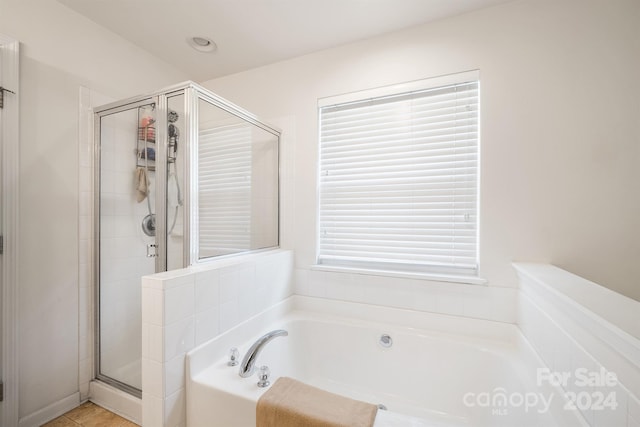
(440, 371)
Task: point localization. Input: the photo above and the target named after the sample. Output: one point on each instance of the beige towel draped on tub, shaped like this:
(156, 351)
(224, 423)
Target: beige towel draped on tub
(290, 403)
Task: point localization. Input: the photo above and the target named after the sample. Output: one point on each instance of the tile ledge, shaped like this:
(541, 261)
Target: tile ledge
(450, 278)
(614, 310)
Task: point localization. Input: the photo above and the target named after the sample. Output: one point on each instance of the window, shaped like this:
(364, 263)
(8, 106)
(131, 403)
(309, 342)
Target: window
(399, 178)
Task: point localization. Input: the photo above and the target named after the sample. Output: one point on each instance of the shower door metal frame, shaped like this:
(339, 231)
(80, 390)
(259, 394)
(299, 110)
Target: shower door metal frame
(160, 102)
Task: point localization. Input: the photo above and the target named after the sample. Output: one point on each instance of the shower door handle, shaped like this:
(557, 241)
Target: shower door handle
(152, 251)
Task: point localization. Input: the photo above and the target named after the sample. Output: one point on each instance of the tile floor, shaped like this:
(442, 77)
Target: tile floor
(89, 415)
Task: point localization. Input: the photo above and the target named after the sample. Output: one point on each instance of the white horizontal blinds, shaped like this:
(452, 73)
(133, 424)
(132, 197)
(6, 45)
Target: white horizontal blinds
(224, 183)
(398, 181)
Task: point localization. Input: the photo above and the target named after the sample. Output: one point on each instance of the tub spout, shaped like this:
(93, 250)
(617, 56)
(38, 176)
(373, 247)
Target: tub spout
(247, 367)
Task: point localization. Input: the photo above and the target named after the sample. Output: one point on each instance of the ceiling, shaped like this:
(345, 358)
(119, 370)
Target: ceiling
(251, 33)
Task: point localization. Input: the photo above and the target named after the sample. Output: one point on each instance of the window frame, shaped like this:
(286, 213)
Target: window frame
(471, 276)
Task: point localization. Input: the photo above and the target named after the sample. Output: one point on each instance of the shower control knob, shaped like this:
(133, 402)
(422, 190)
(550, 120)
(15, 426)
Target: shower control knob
(263, 376)
(234, 355)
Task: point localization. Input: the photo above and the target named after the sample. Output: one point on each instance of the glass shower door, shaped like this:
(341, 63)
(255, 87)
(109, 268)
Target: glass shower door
(127, 238)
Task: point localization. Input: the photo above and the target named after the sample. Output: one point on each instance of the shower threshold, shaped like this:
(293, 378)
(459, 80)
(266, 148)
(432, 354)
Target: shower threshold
(117, 401)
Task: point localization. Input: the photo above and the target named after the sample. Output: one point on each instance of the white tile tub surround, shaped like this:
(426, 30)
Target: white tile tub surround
(458, 299)
(182, 309)
(576, 324)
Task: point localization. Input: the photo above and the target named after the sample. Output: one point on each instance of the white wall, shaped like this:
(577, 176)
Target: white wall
(560, 140)
(60, 52)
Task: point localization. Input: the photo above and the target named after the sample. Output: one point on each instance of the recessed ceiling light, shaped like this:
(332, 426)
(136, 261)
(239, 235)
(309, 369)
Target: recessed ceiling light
(202, 44)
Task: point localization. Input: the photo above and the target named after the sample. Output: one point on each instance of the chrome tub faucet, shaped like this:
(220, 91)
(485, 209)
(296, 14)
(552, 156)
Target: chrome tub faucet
(247, 367)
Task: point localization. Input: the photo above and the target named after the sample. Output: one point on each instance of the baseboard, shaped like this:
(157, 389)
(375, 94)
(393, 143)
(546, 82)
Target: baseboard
(50, 412)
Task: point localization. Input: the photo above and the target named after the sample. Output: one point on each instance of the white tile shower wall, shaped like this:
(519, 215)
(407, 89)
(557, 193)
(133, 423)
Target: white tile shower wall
(564, 336)
(182, 309)
(477, 301)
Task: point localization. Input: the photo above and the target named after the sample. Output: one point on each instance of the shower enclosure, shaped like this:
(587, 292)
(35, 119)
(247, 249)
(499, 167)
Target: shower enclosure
(182, 176)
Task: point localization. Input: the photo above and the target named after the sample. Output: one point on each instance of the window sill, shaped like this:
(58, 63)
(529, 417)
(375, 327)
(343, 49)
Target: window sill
(451, 278)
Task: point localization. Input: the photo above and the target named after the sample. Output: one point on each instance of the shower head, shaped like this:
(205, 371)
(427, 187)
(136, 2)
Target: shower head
(172, 116)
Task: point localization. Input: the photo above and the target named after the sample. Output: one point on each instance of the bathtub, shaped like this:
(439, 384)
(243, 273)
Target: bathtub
(439, 370)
